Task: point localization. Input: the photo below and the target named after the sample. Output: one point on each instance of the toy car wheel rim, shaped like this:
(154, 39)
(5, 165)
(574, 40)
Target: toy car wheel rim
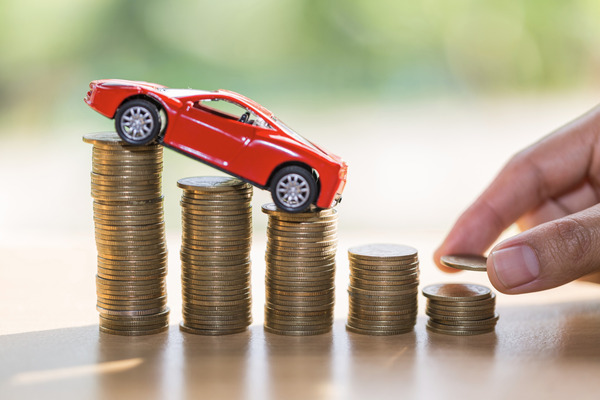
(293, 190)
(137, 123)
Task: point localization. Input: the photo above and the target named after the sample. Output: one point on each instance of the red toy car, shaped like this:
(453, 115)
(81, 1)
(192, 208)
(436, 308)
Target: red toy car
(227, 131)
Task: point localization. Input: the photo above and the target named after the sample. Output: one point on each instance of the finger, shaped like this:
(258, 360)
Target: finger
(547, 211)
(580, 198)
(545, 170)
(548, 255)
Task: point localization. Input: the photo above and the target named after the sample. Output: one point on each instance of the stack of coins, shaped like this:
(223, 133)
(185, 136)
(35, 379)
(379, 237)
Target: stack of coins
(460, 309)
(130, 236)
(215, 255)
(384, 280)
(300, 271)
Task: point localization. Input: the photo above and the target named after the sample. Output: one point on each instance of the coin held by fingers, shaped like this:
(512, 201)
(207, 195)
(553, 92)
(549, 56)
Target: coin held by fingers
(468, 262)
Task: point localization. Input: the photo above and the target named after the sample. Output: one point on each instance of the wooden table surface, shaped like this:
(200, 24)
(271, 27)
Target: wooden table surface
(546, 345)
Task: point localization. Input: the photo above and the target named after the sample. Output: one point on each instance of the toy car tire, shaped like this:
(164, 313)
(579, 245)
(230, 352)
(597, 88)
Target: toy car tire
(293, 189)
(138, 122)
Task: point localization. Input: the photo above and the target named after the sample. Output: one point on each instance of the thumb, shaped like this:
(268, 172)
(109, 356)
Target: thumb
(548, 255)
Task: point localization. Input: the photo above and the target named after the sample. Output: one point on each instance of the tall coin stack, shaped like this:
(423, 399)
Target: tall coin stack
(460, 309)
(300, 271)
(130, 236)
(215, 255)
(383, 289)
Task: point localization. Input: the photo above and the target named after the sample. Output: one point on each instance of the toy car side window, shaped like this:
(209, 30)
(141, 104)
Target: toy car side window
(222, 108)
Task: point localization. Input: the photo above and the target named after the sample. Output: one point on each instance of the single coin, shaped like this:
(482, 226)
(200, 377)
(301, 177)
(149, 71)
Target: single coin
(322, 223)
(382, 251)
(132, 313)
(296, 333)
(383, 324)
(210, 332)
(456, 291)
(133, 332)
(458, 332)
(375, 332)
(104, 139)
(271, 209)
(211, 183)
(469, 262)
(101, 154)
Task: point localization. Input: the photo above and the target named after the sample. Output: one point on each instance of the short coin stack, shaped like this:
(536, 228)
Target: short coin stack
(215, 255)
(460, 309)
(130, 236)
(383, 289)
(300, 271)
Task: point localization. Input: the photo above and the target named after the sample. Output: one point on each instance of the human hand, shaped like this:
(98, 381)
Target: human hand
(551, 190)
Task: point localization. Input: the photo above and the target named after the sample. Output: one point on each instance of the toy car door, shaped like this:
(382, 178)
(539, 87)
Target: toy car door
(214, 129)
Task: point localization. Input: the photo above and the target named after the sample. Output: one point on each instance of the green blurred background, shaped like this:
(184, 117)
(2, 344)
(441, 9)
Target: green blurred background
(314, 52)
(424, 99)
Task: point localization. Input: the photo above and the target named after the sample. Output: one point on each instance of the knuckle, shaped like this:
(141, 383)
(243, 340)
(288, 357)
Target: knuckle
(574, 241)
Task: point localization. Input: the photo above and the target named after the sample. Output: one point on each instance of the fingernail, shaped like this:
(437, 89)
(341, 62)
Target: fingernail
(515, 266)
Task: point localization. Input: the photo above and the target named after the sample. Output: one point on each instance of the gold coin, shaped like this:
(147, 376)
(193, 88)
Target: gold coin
(386, 269)
(491, 301)
(222, 315)
(368, 314)
(468, 316)
(321, 225)
(383, 324)
(210, 332)
(283, 258)
(464, 328)
(393, 276)
(131, 278)
(378, 251)
(435, 307)
(298, 286)
(298, 325)
(130, 313)
(158, 202)
(375, 332)
(286, 332)
(104, 139)
(133, 302)
(133, 332)
(411, 288)
(456, 292)
(271, 209)
(133, 321)
(489, 319)
(458, 332)
(300, 277)
(408, 303)
(300, 308)
(211, 183)
(469, 262)
(299, 314)
(126, 156)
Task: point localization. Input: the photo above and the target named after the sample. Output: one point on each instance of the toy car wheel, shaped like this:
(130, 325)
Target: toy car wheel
(293, 189)
(138, 122)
